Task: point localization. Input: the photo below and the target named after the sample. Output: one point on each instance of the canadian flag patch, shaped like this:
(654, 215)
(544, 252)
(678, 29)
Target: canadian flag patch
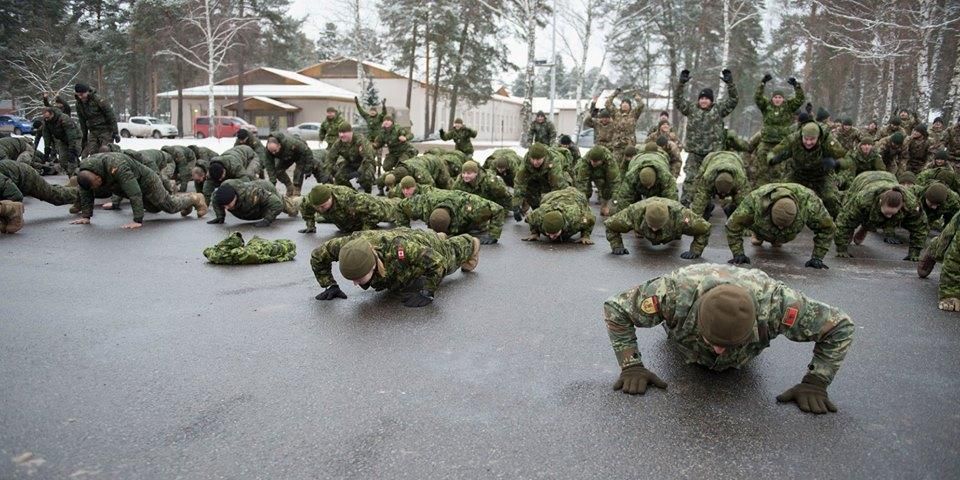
(791, 317)
(400, 253)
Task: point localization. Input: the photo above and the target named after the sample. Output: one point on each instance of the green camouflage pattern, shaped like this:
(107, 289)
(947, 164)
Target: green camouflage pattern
(807, 167)
(951, 143)
(683, 221)
(778, 122)
(486, 185)
(256, 200)
(532, 183)
(631, 190)
(253, 141)
(605, 176)
(461, 139)
(944, 174)
(578, 218)
(545, 133)
(233, 251)
(892, 155)
(98, 122)
(396, 150)
(184, 159)
(918, 154)
(19, 180)
(293, 151)
(673, 300)
(330, 129)
(510, 174)
(946, 248)
(353, 159)
(404, 256)
(848, 136)
(351, 210)
(945, 211)
(468, 212)
(705, 130)
(240, 162)
(428, 170)
(862, 208)
(61, 135)
(753, 214)
(125, 177)
(374, 122)
(713, 165)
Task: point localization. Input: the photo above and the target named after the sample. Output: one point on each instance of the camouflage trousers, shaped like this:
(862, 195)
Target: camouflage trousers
(363, 173)
(598, 178)
(156, 198)
(391, 160)
(98, 142)
(946, 248)
(761, 173)
(827, 190)
(456, 251)
(691, 170)
(31, 184)
(68, 162)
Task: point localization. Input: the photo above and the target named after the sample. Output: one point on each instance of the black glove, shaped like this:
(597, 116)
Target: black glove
(418, 299)
(634, 380)
(766, 78)
(828, 163)
(689, 255)
(808, 107)
(892, 240)
(815, 262)
(517, 216)
(620, 251)
(775, 159)
(215, 221)
(332, 292)
(739, 260)
(487, 240)
(684, 76)
(116, 138)
(727, 76)
(308, 230)
(729, 209)
(810, 395)
(262, 223)
(441, 132)
(793, 82)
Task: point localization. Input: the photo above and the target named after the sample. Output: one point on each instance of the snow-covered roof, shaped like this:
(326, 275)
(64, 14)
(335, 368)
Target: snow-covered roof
(315, 90)
(269, 101)
(296, 77)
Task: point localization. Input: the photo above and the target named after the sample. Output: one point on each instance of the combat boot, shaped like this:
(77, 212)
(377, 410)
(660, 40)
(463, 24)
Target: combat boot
(72, 181)
(604, 208)
(291, 205)
(189, 208)
(11, 216)
(200, 204)
(926, 263)
(75, 208)
(756, 242)
(471, 263)
(859, 235)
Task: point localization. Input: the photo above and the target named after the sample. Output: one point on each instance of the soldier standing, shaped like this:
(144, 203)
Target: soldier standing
(282, 152)
(461, 136)
(98, 123)
(777, 124)
(330, 128)
(598, 168)
(542, 130)
(814, 153)
(60, 134)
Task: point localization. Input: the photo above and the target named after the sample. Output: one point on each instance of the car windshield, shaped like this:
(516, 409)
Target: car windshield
(152, 120)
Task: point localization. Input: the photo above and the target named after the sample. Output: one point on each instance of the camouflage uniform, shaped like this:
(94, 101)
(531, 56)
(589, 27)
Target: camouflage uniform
(232, 251)
(572, 204)
(18, 180)
(397, 151)
(713, 165)
(468, 212)
(428, 170)
(254, 142)
(890, 129)
(631, 190)
(374, 122)
(21, 150)
(705, 132)
(351, 210)
(453, 158)
(330, 129)
(461, 139)
(602, 132)
(951, 143)
(753, 214)
(944, 174)
(808, 168)
(624, 130)
(848, 136)
(510, 174)
(404, 256)
(240, 162)
(862, 208)
(945, 211)
(683, 221)
(98, 123)
(486, 185)
(673, 300)
(532, 183)
(256, 200)
(184, 160)
(544, 133)
(946, 248)
(605, 176)
(61, 134)
(777, 124)
(917, 154)
(353, 159)
(203, 155)
(125, 177)
(293, 151)
(893, 155)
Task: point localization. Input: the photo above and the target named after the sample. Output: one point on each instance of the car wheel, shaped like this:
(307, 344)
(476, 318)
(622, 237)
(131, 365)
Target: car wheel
(17, 131)
(125, 133)
(200, 136)
(156, 134)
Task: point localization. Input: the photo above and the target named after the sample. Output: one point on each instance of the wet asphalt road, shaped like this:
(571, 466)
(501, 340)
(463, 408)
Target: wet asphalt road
(123, 354)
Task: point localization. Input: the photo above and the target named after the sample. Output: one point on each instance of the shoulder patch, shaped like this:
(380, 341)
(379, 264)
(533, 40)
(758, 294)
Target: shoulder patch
(790, 317)
(650, 305)
(400, 253)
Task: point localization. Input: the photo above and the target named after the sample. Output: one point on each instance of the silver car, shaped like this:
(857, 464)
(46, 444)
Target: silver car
(306, 131)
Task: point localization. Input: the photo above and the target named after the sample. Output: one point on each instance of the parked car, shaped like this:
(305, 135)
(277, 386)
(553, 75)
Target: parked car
(15, 125)
(306, 131)
(226, 126)
(586, 138)
(147, 127)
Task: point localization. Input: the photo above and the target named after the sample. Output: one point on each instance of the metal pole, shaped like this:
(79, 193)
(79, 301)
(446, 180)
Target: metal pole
(553, 69)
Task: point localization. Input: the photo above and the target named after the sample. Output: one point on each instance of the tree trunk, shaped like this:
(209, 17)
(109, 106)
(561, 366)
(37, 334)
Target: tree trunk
(808, 54)
(210, 70)
(358, 51)
(180, 97)
(725, 55)
(454, 95)
(891, 75)
(436, 94)
(426, 78)
(526, 111)
(240, 66)
(413, 62)
(923, 62)
(950, 106)
(582, 66)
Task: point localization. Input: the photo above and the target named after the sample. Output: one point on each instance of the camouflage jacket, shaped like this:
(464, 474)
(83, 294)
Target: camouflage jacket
(404, 256)
(202, 154)
(488, 186)
(951, 142)
(603, 134)
(96, 115)
(155, 160)
(232, 251)
(936, 138)
(705, 130)
(62, 128)
(862, 207)
(239, 162)
(944, 174)
(777, 121)
(753, 214)
(12, 147)
(673, 300)
(122, 176)
(549, 177)
(624, 124)
(808, 164)
(461, 138)
(944, 211)
(849, 139)
(390, 138)
(577, 216)
(510, 174)
(887, 130)
(351, 210)
(428, 170)
(373, 121)
(254, 142)
(256, 199)
(467, 211)
(564, 158)
(918, 154)
(683, 221)
(713, 165)
(544, 133)
(607, 172)
(865, 163)
(357, 153)
(892, 155)
(184, 160)
(631, 190)
(330, 129)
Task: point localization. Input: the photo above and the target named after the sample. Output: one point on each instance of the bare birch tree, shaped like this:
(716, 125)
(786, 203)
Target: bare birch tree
(45, 69)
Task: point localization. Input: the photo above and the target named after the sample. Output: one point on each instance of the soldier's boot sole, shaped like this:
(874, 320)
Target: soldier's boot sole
(471, 263)
(186, 211)
(604, 209)
(926, 263)
(756, 242)
(12, 213)
(291, 205)
(200, 204)
(72, 182)
(74, 209)
(859, 235)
